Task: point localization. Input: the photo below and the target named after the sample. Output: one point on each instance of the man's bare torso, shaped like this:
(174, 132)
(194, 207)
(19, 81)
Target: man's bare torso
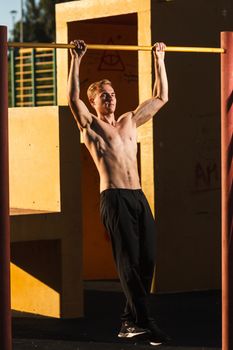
(114, 151)
(113, 143)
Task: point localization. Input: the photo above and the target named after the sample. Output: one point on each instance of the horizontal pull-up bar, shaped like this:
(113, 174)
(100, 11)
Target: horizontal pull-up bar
(118, 47)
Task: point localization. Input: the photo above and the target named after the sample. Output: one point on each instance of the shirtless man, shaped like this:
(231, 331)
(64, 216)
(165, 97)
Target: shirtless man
(112, 143)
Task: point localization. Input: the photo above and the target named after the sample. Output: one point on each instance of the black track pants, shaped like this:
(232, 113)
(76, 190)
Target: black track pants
(128, 220)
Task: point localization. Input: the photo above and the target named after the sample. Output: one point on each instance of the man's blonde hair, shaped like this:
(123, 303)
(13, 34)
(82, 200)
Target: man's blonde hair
(94, 87)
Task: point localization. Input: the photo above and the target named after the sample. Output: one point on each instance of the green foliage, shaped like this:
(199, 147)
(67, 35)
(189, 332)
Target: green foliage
(39, 21)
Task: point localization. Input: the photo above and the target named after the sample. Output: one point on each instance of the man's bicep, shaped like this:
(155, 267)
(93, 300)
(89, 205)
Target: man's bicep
(80, 113)
(146, 110)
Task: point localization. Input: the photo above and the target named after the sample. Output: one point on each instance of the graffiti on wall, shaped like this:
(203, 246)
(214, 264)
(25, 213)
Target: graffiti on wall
(206, 165)
(206, 176)
(111, 59)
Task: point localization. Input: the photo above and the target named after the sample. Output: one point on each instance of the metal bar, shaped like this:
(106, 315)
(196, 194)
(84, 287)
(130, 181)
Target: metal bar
(27, 50)
(23, 80)
(45, 94)
(44, 63)
(44, 87)
(21, 73)
(27, 72)
(12, 60)
(44, 71)
(25, 95)
(195, 49)
(24, 64)
(54, 77)
(44, 55)
(227, 189)
(5, 307)
(119, 47)
(45, 103)
(33, 78)
(44, 79)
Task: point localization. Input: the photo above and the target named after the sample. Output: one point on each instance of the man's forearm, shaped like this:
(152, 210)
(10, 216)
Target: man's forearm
(73, 86)
(161, 84)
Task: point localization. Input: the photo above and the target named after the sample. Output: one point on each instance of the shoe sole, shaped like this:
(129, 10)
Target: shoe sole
(155, 343)
(130, 335)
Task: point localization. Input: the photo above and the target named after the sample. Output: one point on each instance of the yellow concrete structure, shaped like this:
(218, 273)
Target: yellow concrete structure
(187, 148)
(31, 286)
(35, 174)
(46, 214)
(186, 191)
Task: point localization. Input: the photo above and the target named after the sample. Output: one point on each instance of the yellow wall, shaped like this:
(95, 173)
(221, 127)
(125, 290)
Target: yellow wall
(35, 174)
(46, 249)
(36, 277)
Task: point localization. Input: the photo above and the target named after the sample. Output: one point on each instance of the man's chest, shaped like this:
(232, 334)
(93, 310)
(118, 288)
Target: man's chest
(112, 136)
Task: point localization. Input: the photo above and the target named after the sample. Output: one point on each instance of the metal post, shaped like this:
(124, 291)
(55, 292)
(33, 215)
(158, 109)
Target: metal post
(227, 188)
(33, 67)
(13, 96)
(5, 311)
(54, 77)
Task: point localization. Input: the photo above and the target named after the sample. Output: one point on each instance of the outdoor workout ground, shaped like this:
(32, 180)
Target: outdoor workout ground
(193, 320)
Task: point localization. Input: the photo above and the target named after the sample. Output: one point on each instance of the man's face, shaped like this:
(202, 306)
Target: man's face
(105, 100)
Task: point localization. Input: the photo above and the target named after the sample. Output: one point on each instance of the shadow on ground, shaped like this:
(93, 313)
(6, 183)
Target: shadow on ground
(193, 320)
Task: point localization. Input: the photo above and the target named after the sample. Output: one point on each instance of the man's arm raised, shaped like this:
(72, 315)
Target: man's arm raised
(146, 110)
(77, 106)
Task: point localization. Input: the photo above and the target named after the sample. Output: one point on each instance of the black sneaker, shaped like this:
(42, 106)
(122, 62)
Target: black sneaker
(130, 330)
(156, 335)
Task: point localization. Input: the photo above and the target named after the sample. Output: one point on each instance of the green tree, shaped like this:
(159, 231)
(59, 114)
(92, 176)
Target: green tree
(39, 21)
